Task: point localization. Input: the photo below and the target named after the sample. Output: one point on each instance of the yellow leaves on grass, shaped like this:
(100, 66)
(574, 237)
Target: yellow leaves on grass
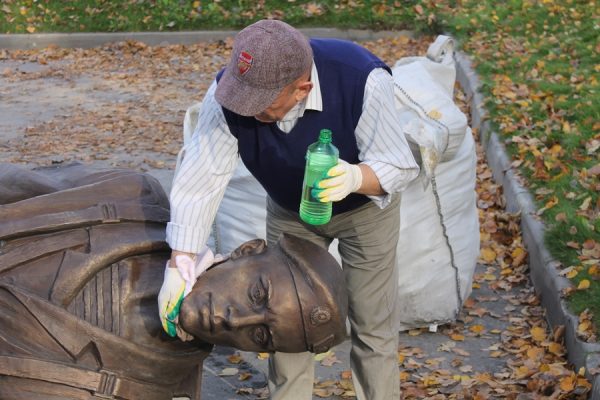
(588, 271)
(570, 272)
(312, 9)
(585, 328)
(508, 92)
(583, 284)
(594, 272)
(553, 201)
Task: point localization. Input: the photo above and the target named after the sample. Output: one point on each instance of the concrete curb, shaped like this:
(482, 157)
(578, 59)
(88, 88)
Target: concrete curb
(87, 40)
(544, 274)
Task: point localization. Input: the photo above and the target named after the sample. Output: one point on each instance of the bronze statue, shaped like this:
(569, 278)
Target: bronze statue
(82, 254)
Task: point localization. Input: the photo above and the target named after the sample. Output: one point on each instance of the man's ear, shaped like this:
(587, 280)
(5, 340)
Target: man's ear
(249, 248)
(303, 89)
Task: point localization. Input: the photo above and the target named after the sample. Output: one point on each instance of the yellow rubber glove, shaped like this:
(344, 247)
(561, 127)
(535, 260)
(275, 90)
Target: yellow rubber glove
(170, 298)
(341, 180)
(178, 282)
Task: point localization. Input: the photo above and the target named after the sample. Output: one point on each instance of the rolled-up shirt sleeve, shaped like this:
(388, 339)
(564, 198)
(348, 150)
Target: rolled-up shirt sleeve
(380, 139)
(206, 165)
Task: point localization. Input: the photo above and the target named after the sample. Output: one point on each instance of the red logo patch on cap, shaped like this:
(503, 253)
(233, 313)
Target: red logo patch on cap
(245, 61)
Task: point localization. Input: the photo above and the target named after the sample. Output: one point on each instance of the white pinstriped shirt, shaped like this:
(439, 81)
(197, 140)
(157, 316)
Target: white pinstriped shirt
(210, 157)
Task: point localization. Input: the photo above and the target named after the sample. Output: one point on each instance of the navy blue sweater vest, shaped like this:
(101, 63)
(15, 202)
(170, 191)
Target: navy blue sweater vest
(276, 158)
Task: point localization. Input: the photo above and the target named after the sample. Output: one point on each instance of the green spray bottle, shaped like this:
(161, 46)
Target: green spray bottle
(320, 156)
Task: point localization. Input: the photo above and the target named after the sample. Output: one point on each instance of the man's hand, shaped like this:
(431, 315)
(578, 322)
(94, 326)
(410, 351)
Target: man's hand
(170, 298)
(341, 180)
(181, 273)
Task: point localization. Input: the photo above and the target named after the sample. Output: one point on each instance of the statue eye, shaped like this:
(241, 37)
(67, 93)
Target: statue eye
(260, 335)
(258, 293)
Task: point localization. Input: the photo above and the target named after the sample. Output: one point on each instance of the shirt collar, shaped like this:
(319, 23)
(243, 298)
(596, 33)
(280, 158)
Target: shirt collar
(314, 100)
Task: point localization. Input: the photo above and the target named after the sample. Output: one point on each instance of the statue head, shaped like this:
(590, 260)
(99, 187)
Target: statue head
(287, 297)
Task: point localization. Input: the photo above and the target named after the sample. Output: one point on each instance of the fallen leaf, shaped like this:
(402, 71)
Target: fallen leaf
(583, 284)
(518, 255)
(244, 376)
(538, 334)
(567, 383)
(477, 329)
(234, 358)
(228, 371)
(321, 356)
(488, 255)
(330, 360)
(457, 337)
(346, 374)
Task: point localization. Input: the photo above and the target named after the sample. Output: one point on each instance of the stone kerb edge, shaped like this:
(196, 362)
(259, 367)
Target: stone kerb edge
(544, 274)
(87, 40)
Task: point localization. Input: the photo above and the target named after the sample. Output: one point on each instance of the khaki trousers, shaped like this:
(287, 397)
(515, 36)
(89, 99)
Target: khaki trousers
(367, 237)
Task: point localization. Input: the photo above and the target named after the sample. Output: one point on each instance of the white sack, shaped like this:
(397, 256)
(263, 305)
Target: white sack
(427, 286)
(439, 226)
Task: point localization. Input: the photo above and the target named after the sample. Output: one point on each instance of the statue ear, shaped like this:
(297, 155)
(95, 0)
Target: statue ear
(249, 248)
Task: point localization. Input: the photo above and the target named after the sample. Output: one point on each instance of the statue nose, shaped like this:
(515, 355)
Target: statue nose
(237, 319)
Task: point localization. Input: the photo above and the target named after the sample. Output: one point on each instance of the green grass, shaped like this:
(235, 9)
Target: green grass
(164, 15)
(538, 61)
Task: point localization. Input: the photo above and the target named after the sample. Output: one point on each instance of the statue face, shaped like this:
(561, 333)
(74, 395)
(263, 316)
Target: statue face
(248, 302)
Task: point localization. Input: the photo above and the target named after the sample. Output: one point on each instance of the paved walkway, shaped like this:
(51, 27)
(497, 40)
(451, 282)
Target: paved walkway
(123, 104)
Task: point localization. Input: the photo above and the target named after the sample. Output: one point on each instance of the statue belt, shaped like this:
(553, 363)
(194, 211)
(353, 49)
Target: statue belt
(103, 384)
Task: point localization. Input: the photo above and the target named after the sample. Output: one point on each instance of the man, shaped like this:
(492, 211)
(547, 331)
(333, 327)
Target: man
(267, 106)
